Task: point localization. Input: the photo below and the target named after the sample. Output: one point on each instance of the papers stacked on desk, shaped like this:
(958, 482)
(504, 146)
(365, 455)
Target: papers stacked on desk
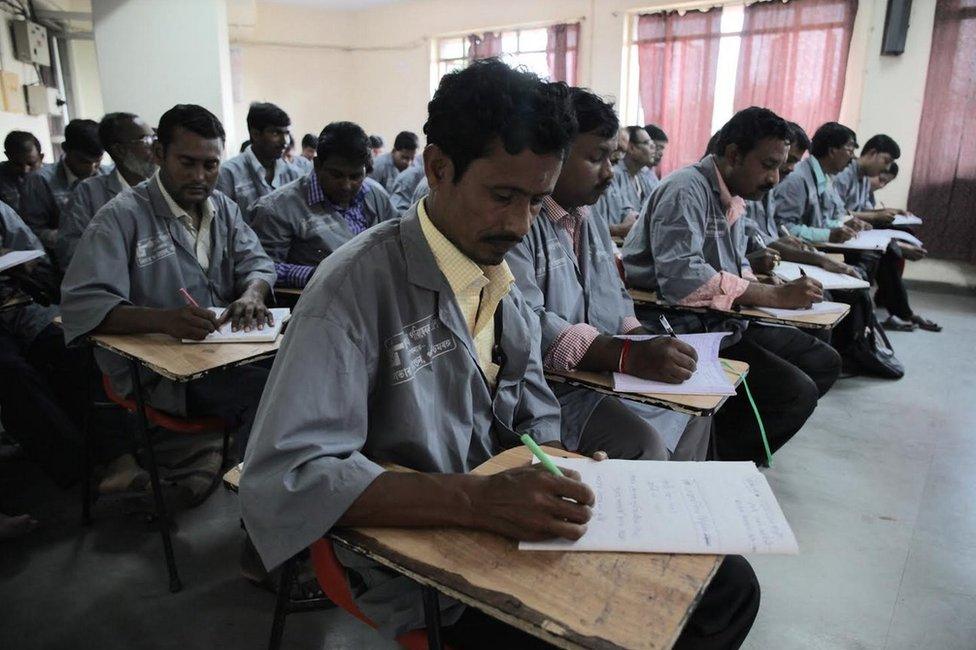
(906, 220)
(708, 379)
(825, 307)
(790, 271)
(267, 335)
(16, 258)
(666, 507)
(874, 240)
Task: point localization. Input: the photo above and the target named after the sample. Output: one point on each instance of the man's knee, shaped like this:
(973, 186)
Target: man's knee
(727, 609)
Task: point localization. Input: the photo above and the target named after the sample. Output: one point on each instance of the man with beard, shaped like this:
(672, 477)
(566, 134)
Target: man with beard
(128, 140)
(689, 247)
(566, 270)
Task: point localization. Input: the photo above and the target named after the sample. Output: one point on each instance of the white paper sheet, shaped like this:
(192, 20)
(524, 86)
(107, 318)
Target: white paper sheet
(708, 379)
(906, 220)
(15, 258)
(790, 271)
(266, 335)
(667, 507)
(825, 307)
(875, 240)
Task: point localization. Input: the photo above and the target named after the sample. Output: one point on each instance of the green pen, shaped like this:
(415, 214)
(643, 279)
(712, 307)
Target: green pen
(541, 455)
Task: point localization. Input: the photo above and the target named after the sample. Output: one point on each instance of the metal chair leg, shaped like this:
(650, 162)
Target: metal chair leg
(161, 515)
(432, 616)
(289, 571)
(86, 483)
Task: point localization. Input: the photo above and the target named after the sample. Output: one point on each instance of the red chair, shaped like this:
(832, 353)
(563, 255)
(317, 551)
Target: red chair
(332, 579)
(191, 426)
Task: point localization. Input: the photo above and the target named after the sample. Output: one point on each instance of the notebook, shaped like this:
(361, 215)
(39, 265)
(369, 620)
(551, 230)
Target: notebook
(906, 220)
(708, 378)
(15, 258)
(266, 335)
(825, 307)
(790, 271)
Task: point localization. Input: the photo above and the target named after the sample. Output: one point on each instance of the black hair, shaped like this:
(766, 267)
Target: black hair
(712, 146)
(748, 127)
(799, 137)
(375, 142)
(193, 118)
(309, 140)
(244, 145)
(657, 133)
(19, 140)
(593, 115)
(109, 129)
(261, 115)
(832, 135)
(892, 169)
(347, 141)
(488, 102)
(406, 140)
(82, 136)
(882, 144)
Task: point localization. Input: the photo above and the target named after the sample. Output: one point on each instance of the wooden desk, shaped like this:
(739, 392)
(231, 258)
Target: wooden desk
(572, 600)
(602, 382)
(814, 321)
(183, 361)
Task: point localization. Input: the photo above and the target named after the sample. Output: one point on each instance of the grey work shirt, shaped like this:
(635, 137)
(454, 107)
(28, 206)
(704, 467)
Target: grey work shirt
(385, 171)
(242, 179)
(404, 187)
(565, 289)
(853, 188)
(627, 186)
(760, 223)
(293, 231)
(799, 203)
(45, 194)
(136, 252)
(26, 322)
(378, 365)
(303, 164)
(680, 242)
(86, 199)
(11, 184)
(611, 207)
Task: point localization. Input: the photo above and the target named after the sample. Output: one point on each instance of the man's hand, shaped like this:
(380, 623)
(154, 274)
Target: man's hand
(529, 503)
(623, 228)
(839, 267)
(911, 252)
(247, 312)
(841, 234)
(858, 225)
(800, 293)
(664, 358)
(882, 217)
(188, 322)
(764, 261)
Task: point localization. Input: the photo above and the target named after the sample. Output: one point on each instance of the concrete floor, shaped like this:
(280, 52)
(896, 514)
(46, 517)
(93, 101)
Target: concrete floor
(878, 488)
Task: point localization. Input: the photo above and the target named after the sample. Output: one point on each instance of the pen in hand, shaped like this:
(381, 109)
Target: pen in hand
(667, 327)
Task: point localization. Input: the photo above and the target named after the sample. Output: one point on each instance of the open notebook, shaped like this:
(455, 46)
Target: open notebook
(825, 307)
(266, 335)
(15, 258)
(874, 240)
(790, 271)
(708, 378)
(646, 506)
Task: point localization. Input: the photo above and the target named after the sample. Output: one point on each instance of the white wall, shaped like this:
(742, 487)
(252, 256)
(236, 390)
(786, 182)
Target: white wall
(86, 87)
(38, 125)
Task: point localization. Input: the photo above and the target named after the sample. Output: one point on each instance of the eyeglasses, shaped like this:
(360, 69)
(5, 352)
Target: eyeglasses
(147, 140)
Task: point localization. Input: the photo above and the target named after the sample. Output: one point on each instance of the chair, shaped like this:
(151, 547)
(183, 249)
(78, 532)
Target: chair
(191, 426)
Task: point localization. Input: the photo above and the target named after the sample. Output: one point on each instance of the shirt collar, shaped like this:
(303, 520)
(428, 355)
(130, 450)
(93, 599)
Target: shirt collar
(734, 206)
(557, 213)
(459, 269)
(818, 174)
(175, 210)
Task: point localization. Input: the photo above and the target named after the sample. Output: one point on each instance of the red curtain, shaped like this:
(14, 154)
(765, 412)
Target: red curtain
(793, 58)
(561, 52)
(943, 188)
(678, 57)
(484, 46)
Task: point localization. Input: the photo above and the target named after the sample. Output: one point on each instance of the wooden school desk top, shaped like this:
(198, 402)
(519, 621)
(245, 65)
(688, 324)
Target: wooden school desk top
(572, 600)
(182, 362)
(813, 321)
(602, 382)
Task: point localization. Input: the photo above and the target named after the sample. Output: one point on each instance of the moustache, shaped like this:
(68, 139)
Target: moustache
(502, 238)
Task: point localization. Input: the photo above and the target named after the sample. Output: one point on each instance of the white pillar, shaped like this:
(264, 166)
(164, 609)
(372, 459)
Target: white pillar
(153, 54)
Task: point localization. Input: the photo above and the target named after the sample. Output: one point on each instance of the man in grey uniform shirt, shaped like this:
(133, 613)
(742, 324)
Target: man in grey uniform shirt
(23, 151)
(632, 176)
(308, 219)
(169, 233)
(260, 168)
(434, 358)
(46, 192)
(129, 142)
(387, 166)
(566, 270)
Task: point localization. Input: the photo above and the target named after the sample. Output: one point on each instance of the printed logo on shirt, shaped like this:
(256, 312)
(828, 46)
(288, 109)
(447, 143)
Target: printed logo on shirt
(716, 226)
(416, 346)
(153, 249)
(557, 259)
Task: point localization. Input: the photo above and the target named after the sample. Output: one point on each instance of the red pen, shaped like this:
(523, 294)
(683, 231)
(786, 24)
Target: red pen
(186, 296)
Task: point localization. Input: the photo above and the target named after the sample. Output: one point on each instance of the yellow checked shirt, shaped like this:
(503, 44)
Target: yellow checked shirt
(477, 289)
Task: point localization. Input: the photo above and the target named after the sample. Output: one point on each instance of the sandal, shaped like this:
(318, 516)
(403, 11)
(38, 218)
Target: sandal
(926, 324)
(896, 324)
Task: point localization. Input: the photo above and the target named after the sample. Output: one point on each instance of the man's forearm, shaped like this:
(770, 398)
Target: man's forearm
(415, 499)
(793, 254)
(759, 295)
(126, 319)
(258, 290)
(603, 355)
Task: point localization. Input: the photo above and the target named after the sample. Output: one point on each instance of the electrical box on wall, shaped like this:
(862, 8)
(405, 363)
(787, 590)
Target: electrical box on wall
(30, 42)
(42, 100)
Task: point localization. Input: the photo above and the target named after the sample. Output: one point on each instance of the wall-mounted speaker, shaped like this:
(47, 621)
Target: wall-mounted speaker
(896, 26)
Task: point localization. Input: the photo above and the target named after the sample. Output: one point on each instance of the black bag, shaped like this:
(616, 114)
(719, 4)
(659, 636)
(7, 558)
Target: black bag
(862, 342)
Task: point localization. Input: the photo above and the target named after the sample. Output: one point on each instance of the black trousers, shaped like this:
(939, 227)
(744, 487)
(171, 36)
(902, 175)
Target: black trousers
(789, 370)
(721, 620)
(233, 395)
(43, 398)
(884, 269)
